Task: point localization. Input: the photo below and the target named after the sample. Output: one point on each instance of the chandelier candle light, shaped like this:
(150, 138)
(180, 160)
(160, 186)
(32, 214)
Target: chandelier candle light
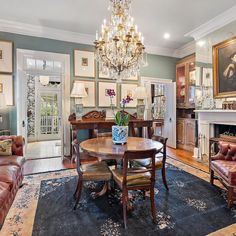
(120, 48)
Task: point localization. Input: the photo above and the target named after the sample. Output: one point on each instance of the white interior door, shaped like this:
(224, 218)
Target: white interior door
(169, 129)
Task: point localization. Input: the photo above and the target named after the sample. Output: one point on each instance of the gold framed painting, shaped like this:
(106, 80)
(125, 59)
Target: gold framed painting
(6, 57)
(84, 63)
(224, 68)
(1, 87)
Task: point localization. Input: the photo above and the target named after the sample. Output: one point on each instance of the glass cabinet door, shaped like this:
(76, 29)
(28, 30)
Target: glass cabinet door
(191, 83)
(181, 85)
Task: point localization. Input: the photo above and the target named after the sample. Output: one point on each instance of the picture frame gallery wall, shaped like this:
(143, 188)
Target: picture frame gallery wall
(86, 70)
(6, 71)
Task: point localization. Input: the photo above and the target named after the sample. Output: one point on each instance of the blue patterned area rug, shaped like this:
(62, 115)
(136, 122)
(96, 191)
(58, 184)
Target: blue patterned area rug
(191, 207)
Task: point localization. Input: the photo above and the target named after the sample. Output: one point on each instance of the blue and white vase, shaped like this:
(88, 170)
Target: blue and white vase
(119, 134)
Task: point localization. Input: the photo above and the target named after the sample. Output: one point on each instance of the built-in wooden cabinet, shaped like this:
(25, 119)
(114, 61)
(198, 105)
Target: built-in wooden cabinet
(185, 133)
(185, 98)
(190, 135)
(180, 131)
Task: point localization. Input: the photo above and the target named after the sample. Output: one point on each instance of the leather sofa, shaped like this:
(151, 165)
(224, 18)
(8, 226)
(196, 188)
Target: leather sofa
(11, 174)
(223, 164)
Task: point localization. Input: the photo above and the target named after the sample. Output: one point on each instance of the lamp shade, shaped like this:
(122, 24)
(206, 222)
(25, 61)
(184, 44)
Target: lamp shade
(44, 80)
(2, 101)
(140, 93)
(78, 90)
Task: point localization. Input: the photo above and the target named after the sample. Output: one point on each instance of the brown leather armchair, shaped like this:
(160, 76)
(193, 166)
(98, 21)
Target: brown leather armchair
(11, 174)
(223, 164)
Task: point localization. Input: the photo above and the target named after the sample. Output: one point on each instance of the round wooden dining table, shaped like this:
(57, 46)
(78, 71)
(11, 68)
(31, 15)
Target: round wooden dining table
(104, 149)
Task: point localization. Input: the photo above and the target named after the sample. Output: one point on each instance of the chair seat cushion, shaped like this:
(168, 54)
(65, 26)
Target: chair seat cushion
(4, 193)
(227, 169)
(12, 160)
(133, 179)
(147, 162)
(96, 172)
(9, 174)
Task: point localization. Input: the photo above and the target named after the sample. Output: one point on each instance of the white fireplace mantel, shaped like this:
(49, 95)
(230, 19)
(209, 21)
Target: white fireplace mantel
(213, 111)
(206, 121)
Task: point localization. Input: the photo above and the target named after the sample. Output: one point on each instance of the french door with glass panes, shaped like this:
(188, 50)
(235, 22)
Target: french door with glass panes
(48, 116)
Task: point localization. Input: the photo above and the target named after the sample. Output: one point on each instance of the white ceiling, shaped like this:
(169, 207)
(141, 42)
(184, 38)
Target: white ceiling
(153, 17)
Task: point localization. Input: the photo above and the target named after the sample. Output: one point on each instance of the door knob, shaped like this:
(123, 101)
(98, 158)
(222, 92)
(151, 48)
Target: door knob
(170, 120)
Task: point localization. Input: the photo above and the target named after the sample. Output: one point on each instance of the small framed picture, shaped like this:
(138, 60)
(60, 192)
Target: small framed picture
(6, 86)
(104, 99)
(129, 90)
(84, 63)
(90, 100)
(207, 79)
(6, 57)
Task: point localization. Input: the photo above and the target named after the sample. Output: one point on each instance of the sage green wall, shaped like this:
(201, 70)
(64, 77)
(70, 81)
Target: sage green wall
(158, 66)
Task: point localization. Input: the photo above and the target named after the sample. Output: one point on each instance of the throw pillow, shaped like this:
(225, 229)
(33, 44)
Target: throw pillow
(6, 147)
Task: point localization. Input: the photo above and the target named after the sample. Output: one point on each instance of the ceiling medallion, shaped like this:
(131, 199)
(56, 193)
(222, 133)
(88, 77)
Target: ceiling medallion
(120, 47)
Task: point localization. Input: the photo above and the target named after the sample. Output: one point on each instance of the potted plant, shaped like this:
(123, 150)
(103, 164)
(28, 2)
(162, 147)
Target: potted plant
(121, 129)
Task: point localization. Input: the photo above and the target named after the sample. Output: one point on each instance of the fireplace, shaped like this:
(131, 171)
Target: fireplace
(225, 131)
(213, 123)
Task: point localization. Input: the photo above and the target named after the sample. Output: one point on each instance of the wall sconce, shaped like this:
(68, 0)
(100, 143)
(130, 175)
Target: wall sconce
(140, 94)
(78, 92)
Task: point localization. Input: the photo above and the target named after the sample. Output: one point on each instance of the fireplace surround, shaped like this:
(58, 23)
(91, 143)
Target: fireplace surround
(212, 123)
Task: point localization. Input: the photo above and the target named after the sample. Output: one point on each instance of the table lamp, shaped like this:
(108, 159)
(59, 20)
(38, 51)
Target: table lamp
(78, 92)
(140, 94)
(2, 105)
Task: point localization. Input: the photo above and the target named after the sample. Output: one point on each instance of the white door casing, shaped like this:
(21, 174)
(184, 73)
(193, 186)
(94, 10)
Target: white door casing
(65, 93)
(169, 129)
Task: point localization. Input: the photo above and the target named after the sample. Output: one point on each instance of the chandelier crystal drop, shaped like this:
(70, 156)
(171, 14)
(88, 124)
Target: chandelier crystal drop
(120, 47)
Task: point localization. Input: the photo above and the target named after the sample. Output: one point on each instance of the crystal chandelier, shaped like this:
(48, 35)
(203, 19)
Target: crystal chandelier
(120, 48)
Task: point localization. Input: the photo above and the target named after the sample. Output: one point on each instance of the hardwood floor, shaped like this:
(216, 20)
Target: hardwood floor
(187, 158)
(47, 164)
(53, 164)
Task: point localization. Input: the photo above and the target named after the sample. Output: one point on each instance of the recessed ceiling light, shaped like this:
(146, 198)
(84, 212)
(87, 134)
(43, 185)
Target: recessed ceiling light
(201, 43)
(166, 36)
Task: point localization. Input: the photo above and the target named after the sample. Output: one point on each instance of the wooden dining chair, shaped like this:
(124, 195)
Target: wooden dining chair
(160, 159)
(136, 178)
(97, 171)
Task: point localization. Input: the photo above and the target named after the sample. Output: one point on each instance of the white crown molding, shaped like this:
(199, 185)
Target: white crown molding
(160, 51)
(45, 32)
(214, 24)
(63, 35)
(185, 50)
